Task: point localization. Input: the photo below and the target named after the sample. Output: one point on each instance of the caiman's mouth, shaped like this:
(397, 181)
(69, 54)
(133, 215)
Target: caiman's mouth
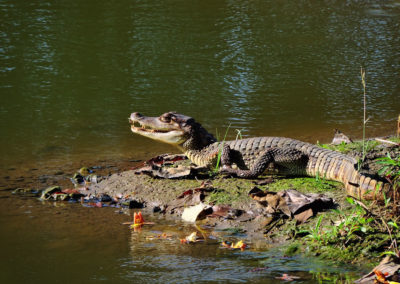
(165, 128)
(136, 127)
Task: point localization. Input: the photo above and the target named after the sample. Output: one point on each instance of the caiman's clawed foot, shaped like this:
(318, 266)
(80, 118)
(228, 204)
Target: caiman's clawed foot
(229, 171)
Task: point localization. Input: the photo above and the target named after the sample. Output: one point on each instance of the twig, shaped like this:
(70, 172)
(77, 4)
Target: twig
(365, 114)
(393, 243)
(364, 206)
(398, 127)
(387, 141)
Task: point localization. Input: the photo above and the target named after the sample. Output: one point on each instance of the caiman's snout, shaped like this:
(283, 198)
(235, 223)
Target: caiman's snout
(164, 128)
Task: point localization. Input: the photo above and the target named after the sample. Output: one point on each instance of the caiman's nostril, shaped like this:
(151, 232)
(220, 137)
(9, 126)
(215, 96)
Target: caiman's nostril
(135, 115)
(138, 114)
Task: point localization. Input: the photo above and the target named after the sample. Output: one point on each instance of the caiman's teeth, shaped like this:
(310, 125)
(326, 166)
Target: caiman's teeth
(136, 124)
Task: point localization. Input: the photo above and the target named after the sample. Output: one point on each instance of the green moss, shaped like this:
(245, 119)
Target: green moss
(228, 195)
(293, 249)
(305, 184)
(235, 191)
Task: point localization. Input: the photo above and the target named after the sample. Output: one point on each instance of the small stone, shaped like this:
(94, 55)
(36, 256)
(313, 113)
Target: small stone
(105, 198)
(134, 204)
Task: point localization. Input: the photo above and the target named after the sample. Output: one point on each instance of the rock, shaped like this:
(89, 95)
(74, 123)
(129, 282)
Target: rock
(135, 204)
(105, 198)
(157, 209)
(340, 138)
(92, 178)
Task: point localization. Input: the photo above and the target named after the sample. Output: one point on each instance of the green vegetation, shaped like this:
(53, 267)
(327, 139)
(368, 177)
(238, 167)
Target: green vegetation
(351, 234)
(220, 150)
(395, 139)
(352, 147)
(390, 169)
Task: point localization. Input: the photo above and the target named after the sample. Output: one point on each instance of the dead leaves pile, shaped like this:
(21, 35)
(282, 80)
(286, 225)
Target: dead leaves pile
(292, 203)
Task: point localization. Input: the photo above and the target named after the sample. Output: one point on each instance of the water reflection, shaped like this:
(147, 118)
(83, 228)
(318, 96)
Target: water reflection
(70, 73)
(237, 63)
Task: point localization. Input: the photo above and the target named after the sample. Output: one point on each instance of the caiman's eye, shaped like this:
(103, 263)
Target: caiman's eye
(165, 118)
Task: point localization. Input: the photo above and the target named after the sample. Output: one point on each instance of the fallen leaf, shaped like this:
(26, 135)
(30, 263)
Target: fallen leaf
(197, 212)
(224, 211)
(292, 203)
(388, 267)
(381, 277)
(138, 218)
(138, 221)
(239, 245)
(192, 238)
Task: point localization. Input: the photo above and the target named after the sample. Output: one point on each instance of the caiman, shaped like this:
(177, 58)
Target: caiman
(251, 157)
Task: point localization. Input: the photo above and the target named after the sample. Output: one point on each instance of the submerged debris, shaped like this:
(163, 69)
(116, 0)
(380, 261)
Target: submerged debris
(287, 277)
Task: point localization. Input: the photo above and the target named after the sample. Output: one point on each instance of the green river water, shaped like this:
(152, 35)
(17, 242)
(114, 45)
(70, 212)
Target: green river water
(71, 72)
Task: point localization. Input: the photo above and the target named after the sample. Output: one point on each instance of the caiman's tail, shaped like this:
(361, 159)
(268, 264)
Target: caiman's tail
(336, 166)
(364, 187)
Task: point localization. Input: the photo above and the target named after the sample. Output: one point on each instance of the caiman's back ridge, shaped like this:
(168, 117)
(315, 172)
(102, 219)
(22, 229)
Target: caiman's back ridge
(248, 158)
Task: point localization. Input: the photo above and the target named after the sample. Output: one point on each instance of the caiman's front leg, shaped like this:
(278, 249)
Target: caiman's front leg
(284, 159)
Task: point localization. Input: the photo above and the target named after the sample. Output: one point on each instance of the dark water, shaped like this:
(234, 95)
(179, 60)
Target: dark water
(71, 72)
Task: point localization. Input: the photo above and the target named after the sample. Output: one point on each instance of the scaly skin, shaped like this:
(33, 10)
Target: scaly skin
(251, 157)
